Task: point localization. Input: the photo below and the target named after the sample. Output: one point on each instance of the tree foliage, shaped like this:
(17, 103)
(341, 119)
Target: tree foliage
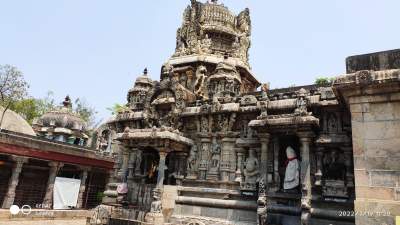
(85, 111)
(13, 87)
(117, 108)
(323, 81)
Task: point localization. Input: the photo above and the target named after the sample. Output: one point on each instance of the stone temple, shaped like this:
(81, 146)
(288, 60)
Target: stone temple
(203, 146)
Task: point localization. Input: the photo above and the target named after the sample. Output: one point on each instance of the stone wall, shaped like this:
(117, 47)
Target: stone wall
(374, 102)
(376, 139)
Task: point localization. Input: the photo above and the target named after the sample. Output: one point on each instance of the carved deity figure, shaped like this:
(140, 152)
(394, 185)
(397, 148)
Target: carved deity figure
(251, 168)
(301, 106)
(236, 47)
(200, 81)
(192, 160)
(334, 167)
(292, 174)
(138, 162)
(206, 44)
(264, 91)
(215, 156)
(156, 205)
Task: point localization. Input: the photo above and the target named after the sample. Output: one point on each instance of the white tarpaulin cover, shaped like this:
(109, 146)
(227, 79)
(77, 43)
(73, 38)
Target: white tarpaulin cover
(65, 194)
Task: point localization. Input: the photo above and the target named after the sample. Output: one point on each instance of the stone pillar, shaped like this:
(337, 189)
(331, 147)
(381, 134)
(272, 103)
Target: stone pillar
(139, 158)
(318, 175)
(82, 188)
(348, 154)
(227, 154)
(14, 180)
(182, 164)
(205, 157)
(264, 139)
(277, 180)
(305, 176)
(240, 155)
(131, 164)
(123, 173)
(54, 168)
(161, 170)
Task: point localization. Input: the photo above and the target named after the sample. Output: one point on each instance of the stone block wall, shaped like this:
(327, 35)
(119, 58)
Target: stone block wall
(376, 149)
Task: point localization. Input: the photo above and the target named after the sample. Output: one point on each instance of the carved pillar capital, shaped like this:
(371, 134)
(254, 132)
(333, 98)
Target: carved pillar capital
(19, 159)
(264, 137)
(305, 136)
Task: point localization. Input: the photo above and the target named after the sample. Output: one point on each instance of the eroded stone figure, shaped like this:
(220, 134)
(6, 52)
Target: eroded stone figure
(215, 156)
(301, 103)
(206, 44)
(200, 81)
(292, 173)
(192, 161)
(156, 205)
(252, 168)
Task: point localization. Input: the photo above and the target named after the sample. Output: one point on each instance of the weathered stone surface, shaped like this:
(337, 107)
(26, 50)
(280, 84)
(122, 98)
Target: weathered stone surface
(374, 61)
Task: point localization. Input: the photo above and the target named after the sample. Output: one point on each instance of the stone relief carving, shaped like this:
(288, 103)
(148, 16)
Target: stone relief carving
(191, 162)
(156, 205)
(251, 168)
(302, 103)
(215, 156)
(201, 79)
(332, 125)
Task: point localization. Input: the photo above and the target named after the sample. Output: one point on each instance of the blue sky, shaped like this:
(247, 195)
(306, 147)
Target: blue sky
(96, 48)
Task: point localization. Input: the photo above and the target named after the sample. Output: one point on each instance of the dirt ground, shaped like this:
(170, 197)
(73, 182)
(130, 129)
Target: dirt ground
(45, 222)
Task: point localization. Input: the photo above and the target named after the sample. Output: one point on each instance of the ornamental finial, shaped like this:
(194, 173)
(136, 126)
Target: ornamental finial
(67, 102)
(145, 71)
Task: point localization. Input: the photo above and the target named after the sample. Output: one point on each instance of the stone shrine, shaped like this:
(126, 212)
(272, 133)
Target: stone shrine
(203, 146)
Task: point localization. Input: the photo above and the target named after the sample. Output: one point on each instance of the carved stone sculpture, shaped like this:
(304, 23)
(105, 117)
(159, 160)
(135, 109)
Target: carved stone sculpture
(252, 168)
(156, 205)
(215, 156)
(292, 173)
(191, 162)
(206, 45)
(199, 84)
(301, 103)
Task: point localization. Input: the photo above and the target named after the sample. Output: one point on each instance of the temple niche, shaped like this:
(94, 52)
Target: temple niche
(203, 146)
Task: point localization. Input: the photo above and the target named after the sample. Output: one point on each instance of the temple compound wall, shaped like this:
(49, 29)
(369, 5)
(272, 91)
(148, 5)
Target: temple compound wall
(203, 145)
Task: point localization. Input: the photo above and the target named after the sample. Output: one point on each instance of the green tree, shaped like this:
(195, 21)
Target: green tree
(27, 108)
(117, 108)
(13, 87)
(323, 81)
(85, 111)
